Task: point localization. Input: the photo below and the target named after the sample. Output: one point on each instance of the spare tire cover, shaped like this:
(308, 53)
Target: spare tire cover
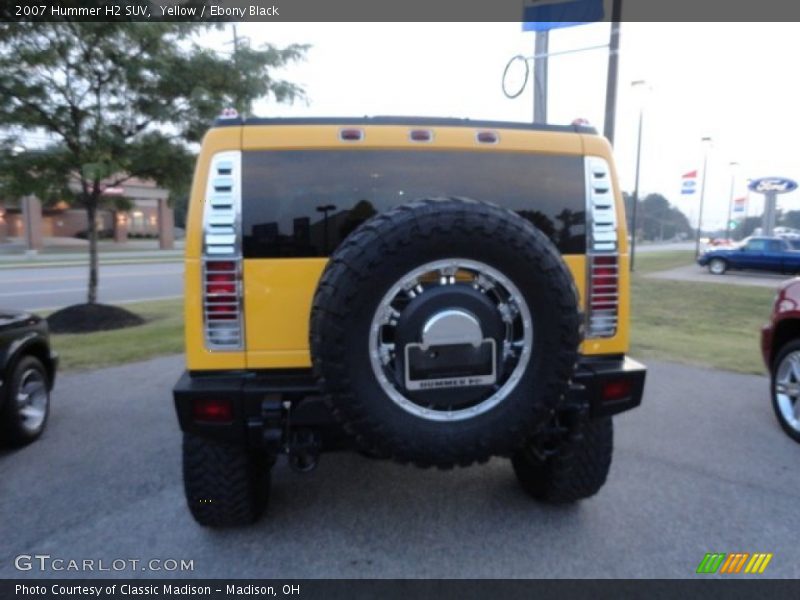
(444, 331)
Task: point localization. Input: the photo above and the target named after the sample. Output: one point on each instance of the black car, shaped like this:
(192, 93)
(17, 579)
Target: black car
(27, 373)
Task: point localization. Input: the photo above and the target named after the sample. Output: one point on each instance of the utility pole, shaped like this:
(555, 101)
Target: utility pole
(235, 55)
(636, 181)
(733, 166)
(540, 49)
(706, 141)
(613, 69)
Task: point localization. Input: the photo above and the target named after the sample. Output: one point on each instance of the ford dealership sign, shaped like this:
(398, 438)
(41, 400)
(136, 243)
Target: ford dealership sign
(773, 185)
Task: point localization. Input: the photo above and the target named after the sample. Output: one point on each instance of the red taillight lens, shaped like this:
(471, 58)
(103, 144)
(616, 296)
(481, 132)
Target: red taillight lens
(488, 137)
(221, 283)
(603, 297)
(616, 389)
(220, 265)
(212, 410)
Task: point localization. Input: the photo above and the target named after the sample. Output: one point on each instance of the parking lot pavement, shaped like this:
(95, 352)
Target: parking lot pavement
(701, 467)
(700, 274)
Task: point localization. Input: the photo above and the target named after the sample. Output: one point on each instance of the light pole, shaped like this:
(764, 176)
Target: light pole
(733, 164)
(706, 141)
(637, 84)
(325, 209)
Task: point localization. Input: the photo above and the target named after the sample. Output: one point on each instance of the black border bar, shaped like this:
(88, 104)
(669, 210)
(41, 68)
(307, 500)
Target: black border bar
(404, 589)
(384, 10)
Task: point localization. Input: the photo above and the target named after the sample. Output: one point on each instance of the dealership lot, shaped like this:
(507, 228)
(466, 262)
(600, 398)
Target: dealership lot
(700, 467)
(698, 274)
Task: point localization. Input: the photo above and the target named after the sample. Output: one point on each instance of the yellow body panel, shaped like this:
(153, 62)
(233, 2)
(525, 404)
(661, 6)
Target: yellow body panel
(277, 137)
(278, 292)
(278, 295)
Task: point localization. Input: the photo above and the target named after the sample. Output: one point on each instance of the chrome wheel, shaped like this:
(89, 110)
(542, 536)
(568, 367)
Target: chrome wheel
(787, 390)
(32, 400)
(717, 266)
(443, 283)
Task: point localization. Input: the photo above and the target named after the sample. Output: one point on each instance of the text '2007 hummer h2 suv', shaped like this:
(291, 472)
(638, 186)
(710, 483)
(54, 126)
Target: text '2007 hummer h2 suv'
(434, 291)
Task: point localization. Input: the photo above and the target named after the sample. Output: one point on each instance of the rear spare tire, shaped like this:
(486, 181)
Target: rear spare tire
(444, 331)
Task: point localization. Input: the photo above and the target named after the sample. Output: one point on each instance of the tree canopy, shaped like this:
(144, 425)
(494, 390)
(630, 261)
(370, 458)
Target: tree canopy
(656, 218)
(120, 100)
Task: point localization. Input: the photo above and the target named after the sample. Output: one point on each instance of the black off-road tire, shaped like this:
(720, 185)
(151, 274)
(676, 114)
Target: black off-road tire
(380, 252)
(225, 484)
(13, 434)
(577, 470)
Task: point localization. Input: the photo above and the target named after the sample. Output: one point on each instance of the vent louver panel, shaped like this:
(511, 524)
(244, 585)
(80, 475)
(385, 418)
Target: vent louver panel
(222, 272)
(602, 312)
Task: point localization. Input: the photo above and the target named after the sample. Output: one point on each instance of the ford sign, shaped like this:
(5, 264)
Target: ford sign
(773, 185)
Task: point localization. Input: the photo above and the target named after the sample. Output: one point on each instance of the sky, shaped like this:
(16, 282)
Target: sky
(733, 82)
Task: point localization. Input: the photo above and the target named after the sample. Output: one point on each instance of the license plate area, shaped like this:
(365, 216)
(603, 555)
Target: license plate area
(450, 366)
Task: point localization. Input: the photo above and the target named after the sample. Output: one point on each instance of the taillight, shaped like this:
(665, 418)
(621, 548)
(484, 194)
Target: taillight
(603, 296)
(602, 310)
(212, 410)
(222, 273)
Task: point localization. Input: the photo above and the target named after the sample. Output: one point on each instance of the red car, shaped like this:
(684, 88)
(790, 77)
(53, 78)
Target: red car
(780, 345)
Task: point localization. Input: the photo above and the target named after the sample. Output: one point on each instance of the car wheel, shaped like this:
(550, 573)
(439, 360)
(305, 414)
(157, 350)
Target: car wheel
(717, 266)
(786, 389)
(26, 405)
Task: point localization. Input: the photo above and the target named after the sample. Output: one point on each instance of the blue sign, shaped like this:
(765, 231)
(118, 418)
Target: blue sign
(772, 185)
(544, 15)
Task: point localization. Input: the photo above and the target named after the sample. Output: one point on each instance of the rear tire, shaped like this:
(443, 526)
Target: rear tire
(717, 266)
(225, 484)
(577, 470)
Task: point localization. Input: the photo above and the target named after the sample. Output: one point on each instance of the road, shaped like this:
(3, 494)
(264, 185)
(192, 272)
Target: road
(701, 467)
(56, 287)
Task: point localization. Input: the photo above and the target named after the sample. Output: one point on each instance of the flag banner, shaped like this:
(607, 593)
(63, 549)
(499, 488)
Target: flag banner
(739, 204)
(689, 182)
(544, 15)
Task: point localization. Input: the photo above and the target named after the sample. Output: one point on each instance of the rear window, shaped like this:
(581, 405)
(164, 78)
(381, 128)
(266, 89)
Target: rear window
(304, 203)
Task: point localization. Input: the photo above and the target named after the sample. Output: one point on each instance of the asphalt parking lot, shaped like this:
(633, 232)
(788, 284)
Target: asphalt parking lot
(701, 467)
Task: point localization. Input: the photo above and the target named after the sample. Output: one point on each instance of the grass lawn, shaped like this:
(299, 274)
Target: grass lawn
(161, 334)
(707, 324)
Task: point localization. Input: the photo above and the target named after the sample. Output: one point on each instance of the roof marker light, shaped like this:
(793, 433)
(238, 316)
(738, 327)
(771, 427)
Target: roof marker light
(487, 137)
(351, 135)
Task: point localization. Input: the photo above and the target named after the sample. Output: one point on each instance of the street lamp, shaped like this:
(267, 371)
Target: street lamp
(733, 164)
(641, 84)
(325, 209)
(706, 142)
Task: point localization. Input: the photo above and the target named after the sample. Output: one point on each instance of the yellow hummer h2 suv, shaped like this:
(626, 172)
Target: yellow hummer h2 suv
(433, 291)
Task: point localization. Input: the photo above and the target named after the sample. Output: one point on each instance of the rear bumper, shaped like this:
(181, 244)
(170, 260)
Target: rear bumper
(270, 406)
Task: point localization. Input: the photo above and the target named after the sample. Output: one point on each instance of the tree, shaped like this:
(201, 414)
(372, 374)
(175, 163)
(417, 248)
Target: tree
(656, 218)
(746, 227)
(121, 100)
(791, 219)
